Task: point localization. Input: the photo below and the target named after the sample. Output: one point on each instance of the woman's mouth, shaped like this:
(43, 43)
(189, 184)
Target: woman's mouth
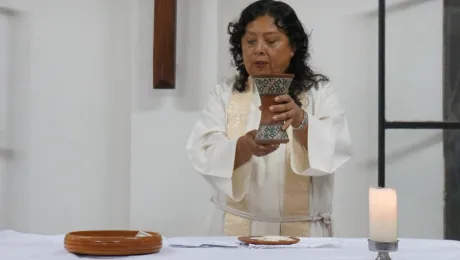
(260, 64)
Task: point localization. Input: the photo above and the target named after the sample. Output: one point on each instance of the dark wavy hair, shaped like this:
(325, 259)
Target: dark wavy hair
(288, 22)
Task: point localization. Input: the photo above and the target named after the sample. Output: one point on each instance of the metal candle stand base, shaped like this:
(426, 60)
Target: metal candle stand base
(383, 249)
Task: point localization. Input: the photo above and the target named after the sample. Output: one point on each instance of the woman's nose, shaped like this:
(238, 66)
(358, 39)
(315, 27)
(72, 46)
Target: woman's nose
(259, 49)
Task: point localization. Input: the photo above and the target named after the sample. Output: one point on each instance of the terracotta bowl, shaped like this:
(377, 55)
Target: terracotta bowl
(112, 243)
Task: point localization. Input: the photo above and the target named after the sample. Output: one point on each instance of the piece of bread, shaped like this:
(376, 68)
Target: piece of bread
(273, 238)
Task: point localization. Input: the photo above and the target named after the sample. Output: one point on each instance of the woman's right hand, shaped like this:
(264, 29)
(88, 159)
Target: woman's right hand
(246, 147)
(258, 149)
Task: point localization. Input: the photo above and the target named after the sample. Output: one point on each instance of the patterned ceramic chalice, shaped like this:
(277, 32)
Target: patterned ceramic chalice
(269, 87)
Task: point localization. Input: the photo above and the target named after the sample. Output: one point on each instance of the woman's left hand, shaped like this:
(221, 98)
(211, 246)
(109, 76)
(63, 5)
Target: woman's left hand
(287, 111)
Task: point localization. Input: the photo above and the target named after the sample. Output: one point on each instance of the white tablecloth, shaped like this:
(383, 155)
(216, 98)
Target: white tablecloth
(18, 246)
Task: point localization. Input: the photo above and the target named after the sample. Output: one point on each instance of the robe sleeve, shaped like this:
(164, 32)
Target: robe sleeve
(329, 142)
(212, 154)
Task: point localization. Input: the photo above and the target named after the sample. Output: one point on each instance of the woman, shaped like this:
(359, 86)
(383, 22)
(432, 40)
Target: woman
(271, 189)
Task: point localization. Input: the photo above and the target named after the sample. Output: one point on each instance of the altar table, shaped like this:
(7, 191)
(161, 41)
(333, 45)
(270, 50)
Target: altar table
(19, 246)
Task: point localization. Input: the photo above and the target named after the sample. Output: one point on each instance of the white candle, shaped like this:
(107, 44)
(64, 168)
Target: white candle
(383, 214)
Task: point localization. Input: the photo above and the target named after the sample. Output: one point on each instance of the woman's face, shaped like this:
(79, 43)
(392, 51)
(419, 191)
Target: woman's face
(266, 49)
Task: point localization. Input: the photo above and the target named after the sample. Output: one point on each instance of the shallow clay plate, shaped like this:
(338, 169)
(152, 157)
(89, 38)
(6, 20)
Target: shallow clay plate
(112, 243)
(255, 240)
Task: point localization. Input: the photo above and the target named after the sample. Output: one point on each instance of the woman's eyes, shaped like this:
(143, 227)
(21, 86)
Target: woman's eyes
(267, 41)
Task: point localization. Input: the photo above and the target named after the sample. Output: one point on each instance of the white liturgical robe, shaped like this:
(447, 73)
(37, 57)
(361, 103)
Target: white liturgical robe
(288, 192)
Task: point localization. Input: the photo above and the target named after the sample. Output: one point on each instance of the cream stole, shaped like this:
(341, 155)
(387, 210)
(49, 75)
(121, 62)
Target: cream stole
(296, 187)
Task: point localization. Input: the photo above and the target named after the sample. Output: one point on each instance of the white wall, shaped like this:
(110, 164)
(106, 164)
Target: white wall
(72, 115)
(104, 150)
(3, 107)
(162, 180)
(4, 35)
(14, 71)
